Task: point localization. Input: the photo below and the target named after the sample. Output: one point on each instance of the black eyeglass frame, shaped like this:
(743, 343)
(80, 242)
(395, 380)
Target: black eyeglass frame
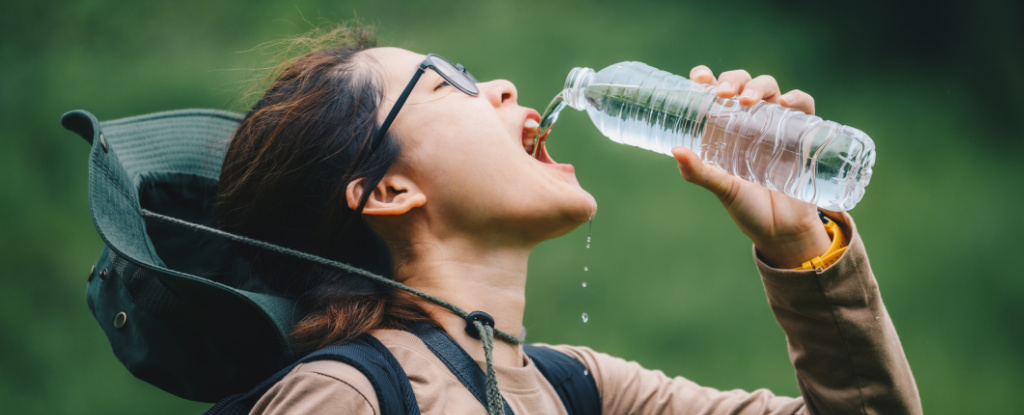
(460, 78)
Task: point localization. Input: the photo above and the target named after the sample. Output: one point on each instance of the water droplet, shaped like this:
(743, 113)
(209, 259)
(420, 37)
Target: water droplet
(585, 317)
(584, 282)
(586, 372)
(590, 228)
(585, 269)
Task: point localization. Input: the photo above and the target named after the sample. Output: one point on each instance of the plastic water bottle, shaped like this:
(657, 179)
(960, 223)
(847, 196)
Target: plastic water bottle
(801, 155)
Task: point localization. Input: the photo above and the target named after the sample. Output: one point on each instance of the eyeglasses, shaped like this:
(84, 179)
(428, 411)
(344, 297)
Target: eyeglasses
(454, 74)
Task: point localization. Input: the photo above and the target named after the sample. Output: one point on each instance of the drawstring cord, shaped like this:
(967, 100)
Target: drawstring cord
(482, 323)
(495, 405)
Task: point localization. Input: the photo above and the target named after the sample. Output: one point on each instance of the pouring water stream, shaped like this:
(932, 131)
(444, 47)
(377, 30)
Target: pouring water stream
(548, 118)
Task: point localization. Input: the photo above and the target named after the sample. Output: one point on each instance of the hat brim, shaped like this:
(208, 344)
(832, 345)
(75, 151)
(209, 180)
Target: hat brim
(169, 162)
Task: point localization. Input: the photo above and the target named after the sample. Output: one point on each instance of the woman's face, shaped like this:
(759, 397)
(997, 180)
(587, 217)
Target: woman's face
(467, 155)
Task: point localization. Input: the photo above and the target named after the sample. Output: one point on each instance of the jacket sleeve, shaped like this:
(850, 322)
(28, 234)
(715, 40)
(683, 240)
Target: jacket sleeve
(847, 356)
(844, 347)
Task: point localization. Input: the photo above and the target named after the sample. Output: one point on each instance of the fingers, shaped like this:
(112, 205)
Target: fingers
(798, 100)
(751, 90)
(731, 83)
(764, 87)
(702, 74)
(723, 185)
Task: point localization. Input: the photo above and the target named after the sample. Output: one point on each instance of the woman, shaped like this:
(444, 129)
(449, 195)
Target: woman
(405, 165)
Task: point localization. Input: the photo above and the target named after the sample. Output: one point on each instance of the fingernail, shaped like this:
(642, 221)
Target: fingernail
(747, 94)
(724, 87)
(788, 98)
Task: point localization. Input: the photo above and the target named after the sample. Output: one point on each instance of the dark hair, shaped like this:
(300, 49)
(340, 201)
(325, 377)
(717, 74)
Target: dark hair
(284, 181)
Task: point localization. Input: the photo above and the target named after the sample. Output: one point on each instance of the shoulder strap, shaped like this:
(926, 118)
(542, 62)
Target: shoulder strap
(458, 361)
(365, 353)
(572, 381)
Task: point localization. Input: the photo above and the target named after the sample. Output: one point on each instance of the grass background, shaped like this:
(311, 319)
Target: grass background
(670, 281)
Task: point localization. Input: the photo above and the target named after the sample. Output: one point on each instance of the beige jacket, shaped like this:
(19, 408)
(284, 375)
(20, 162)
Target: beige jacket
(847, 356)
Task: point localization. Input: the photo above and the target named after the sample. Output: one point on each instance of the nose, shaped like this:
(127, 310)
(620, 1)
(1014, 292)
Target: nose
(499, 92)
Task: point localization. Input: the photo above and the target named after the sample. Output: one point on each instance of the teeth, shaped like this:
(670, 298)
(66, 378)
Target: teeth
(530, 139)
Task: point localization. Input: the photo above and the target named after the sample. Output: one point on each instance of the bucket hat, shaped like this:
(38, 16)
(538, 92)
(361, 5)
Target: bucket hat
(179, 307)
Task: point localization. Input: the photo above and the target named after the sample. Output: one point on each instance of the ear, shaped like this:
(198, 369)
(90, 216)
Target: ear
(396, 194)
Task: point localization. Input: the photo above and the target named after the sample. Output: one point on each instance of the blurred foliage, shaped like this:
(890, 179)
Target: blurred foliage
(670, 283)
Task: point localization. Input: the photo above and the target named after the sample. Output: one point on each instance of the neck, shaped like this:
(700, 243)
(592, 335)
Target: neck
(491, 279)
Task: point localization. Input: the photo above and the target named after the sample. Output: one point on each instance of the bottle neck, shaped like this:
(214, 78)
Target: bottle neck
(575, 85)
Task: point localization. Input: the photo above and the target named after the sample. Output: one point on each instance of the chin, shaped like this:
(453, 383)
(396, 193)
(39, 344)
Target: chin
(581, 207)
(581, 211)
(590, 209)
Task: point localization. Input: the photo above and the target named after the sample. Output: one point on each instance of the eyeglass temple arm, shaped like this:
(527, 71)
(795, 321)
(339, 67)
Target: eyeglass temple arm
(399, 102)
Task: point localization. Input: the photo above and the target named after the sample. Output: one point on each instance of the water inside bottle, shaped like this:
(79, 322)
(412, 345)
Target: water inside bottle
(763, 143)
(819, 168)
(674, 114)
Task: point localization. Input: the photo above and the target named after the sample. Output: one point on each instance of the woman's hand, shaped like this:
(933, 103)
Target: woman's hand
(786, 231)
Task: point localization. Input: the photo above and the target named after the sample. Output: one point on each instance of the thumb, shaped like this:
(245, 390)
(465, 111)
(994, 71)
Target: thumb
(707, 176)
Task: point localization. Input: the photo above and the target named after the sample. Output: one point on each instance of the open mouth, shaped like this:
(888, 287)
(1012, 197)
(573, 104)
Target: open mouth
(534, 144)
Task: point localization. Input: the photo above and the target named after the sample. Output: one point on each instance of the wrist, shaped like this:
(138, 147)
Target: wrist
(835, 251)
(791, 251)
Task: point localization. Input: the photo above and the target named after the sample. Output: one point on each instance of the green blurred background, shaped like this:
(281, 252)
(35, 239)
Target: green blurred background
(671, 282)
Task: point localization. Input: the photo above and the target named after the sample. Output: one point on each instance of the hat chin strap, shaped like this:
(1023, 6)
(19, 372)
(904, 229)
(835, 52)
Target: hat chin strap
(482, 324)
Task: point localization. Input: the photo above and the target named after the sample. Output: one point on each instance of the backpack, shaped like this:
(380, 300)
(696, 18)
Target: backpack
(574, 384)
(175, 301)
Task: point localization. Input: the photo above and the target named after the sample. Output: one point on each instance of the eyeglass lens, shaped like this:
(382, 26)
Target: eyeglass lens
(457, 76)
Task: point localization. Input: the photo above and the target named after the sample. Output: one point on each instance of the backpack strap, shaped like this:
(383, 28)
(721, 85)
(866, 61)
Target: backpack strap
(365, 353)
(572, 381)
(458, 361)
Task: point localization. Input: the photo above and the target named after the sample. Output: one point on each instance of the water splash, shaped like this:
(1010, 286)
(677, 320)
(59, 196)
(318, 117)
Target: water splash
(584, 282)
(585, 317)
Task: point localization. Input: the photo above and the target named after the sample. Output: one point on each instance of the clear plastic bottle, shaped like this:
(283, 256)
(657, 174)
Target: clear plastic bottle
(798, 154)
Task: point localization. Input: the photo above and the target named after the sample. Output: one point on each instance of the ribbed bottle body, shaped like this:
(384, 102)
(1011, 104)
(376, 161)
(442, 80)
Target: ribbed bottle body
(798, 154)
